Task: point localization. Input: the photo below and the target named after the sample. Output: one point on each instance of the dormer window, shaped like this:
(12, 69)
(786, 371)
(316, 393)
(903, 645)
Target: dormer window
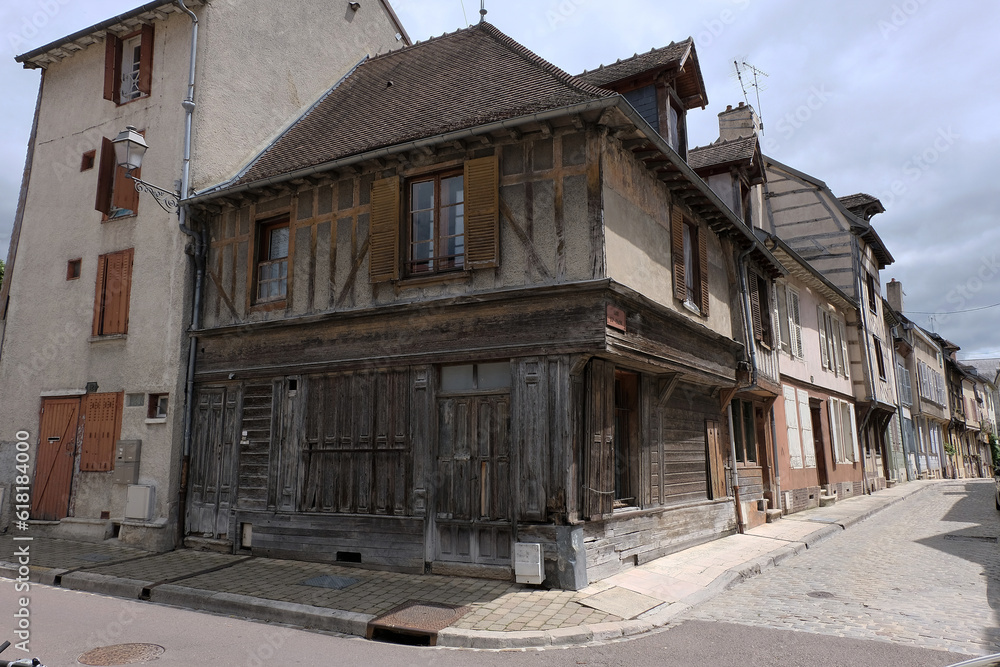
(128, 65)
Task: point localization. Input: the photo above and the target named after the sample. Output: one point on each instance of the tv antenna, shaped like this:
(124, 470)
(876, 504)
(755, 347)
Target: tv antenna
(482, 11)
(753, 80)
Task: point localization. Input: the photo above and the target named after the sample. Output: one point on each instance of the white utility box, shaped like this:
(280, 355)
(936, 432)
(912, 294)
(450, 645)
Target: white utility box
(528, 565)
(138, 502)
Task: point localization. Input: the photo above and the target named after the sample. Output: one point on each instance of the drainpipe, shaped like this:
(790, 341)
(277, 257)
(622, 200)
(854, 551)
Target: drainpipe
(777, 475)
(741, 525)
(199, 252)
(747, 312)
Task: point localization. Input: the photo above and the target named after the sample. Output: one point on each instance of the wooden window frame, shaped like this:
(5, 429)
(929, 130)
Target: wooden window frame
(626, 440)
(73, 268)
(113, 293)
(438, 263)
(760, 309)
(879, 357)
(113, 56)
(262, 257)
(740, 407)
(872, 295)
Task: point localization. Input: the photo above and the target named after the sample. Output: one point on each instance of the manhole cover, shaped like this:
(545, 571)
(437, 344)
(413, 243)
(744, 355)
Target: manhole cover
(121, 654)
(821, 594)
(328, 581)
(415, 618)
(95, 558)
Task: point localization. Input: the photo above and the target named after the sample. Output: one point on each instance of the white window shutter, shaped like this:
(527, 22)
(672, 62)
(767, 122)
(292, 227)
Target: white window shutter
(795, 325)
(805, 423)
(843, 343)
(833, 406)
(792, 424)
(854, 432)
(821, 325)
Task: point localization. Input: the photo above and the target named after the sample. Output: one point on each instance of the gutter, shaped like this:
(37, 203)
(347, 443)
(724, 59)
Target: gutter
(200, 241)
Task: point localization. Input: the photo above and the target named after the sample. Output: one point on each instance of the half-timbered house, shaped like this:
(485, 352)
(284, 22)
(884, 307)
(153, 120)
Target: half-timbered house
(467, 302)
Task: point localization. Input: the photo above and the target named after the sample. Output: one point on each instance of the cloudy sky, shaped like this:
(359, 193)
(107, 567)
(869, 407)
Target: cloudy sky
(890, 97)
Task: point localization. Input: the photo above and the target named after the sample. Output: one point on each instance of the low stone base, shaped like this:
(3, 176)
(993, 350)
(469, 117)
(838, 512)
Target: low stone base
(826, 501)
(70, 528)
(773, 515)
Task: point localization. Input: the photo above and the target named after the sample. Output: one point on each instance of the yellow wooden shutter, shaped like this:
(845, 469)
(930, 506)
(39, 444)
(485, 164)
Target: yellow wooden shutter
(482, 217)
(677, 250)
(384, 254)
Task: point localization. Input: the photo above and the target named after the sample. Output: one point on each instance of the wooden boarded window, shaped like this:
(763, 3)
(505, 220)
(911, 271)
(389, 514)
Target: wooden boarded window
(111, 299)
(760, 309)
(599, 480)
(716, 459)
(116, 193)
(101, 430)
(689, 250)
(128, 66)
(452, 222)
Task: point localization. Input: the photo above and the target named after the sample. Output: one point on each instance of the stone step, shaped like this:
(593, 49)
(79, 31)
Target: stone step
(825, 501)
(773, 515)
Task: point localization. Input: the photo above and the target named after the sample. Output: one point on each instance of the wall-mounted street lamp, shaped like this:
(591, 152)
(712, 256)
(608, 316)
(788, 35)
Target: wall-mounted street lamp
(129, 149)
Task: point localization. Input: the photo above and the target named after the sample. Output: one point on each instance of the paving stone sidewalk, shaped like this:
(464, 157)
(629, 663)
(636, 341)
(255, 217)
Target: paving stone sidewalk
(500, 614)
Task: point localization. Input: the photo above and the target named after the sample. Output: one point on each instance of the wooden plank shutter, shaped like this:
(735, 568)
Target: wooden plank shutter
(792, 427)
(383, 263)
(101, 430)
(824, 352)
(121, 291)
(703, 269)
(758, 330)
(124, 195)
(599, 482)
(105, 176)
(677, 252)
(805, 421)
(482, 213)
(112, 67)
(716, 459)
(102, 265)
(146, 59)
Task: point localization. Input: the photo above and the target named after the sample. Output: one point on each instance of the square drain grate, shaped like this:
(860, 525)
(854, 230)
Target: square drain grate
(414, 622)
(329, 581)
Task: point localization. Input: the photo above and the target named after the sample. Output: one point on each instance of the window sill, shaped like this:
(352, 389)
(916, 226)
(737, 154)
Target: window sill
(108, 338)
(156, 420)
(435, 279)
(690, 305)
(268, 306)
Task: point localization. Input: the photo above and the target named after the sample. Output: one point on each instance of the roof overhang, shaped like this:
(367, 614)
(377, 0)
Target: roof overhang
(799, 268)
(122, 24)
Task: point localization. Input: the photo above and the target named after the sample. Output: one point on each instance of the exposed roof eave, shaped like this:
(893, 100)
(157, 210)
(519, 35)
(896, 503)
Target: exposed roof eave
(820, 282)
(96, 32)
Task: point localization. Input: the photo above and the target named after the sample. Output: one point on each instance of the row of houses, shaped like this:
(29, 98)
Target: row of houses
(428, 309)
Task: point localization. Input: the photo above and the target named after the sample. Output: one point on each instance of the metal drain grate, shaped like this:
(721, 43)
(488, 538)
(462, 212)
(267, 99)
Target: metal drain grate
(823, 595)
(414, 622)
(329, 581)
(121, 654)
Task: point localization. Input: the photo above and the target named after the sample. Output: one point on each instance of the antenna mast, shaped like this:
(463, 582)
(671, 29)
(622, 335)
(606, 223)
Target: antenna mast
(742, 66)
(482, 11)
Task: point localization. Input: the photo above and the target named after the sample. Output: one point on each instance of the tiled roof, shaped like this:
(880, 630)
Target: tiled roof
(723, 152)
(671, 55)
(467, 78)
(859, 200)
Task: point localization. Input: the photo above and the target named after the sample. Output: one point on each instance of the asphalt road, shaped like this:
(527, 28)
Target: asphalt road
(914, 577)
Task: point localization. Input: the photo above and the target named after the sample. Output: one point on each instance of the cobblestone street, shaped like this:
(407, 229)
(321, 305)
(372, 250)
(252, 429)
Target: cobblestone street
(924, 573)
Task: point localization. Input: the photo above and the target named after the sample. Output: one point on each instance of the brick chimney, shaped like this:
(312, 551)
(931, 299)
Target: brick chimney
(894, 295)
(742, 121)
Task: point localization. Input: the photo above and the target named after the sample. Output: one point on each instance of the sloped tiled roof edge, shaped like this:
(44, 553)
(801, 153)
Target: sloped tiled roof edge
(623, 69)
(723, 152)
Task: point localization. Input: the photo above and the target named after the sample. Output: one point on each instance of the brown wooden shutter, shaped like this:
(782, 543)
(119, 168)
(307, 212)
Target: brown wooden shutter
(482, 213)
(146, 60)
(105, 176)
(758, 331)
(599, 482)
(101, 430)
(677, 250)
(102, 263)
(112, 68)
(703, 269)
(716, 460)
(383, 263)
(124, 194)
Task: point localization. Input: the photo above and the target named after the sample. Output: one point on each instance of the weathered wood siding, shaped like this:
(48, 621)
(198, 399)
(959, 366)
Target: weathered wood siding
(550, 232)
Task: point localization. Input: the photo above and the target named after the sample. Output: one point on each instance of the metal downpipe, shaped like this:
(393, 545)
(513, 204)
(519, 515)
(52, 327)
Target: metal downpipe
(741, 525)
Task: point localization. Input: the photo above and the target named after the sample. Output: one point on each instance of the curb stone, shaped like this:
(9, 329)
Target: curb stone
(91, 582)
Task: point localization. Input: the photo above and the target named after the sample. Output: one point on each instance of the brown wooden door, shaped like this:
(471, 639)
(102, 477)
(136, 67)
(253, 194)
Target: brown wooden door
(57, 444)
(212, 464)
(815, 412)
(473, 512)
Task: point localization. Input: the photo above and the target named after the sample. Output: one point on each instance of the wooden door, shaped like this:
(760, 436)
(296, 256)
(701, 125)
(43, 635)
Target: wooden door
(765, 453)
(817, 433)
(57, 445)
(211, 475)
(473, 508)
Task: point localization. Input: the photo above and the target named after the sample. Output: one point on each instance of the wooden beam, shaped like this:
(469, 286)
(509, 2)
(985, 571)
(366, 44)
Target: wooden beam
(666, 387)
(726, 396)
(578, 123)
